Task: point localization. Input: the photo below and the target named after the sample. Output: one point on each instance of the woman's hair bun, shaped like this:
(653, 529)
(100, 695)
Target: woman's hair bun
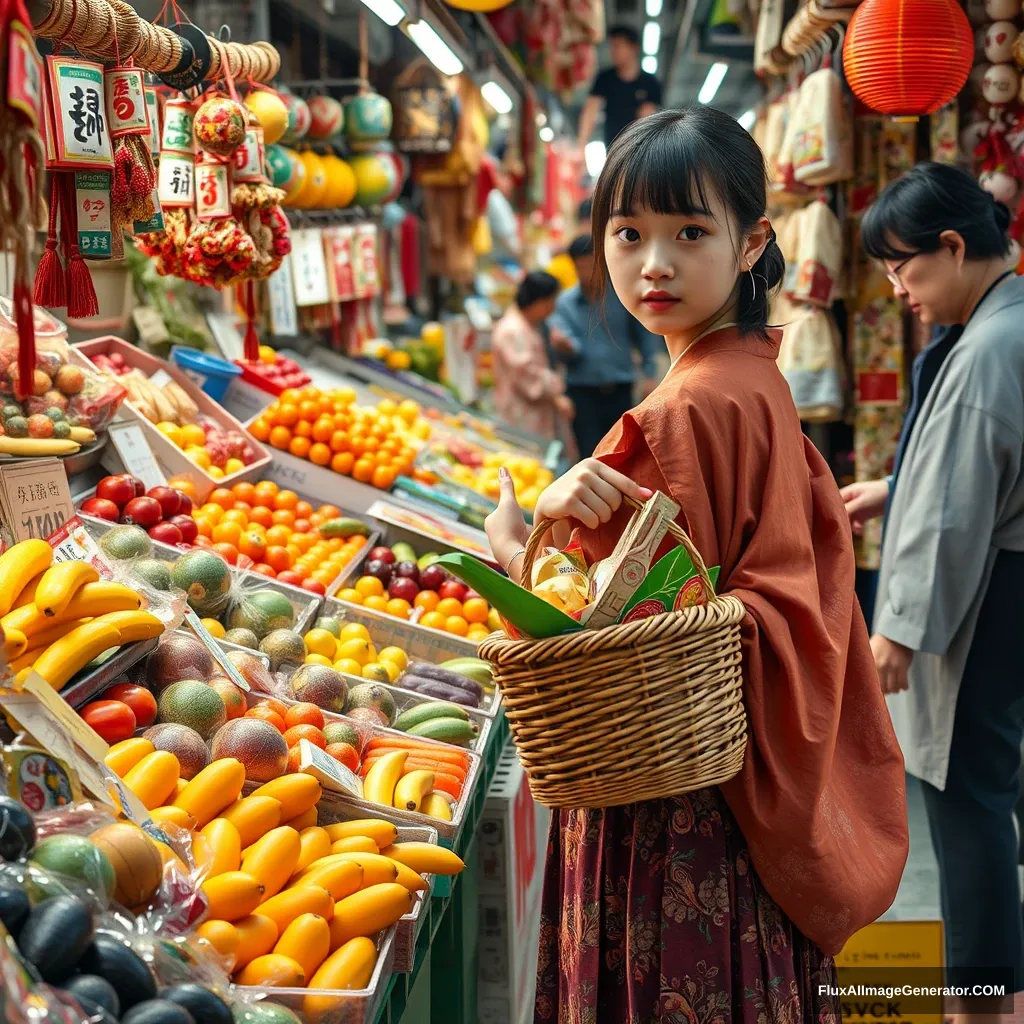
(1001, 212)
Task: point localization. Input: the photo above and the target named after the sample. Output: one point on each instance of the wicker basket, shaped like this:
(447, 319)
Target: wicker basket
(635, 711)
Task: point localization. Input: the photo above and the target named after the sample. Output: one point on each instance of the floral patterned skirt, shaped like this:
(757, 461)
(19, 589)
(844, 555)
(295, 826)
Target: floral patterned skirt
(653, 914)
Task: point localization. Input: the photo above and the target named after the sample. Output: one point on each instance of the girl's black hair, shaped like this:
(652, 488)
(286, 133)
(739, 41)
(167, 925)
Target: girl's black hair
(536, 286)
(911, 213)
(669, 162)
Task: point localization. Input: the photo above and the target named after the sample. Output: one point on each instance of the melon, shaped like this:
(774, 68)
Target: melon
(153, 572)
(184, 743)
(262, 611)
(263, 1013)
(138, 866)
(271, 113)
(257, 744)
(194, 704)
(233, 698)
(252, 670)
(179, 656)
(372, 695)
(206, 579)
(320, 685)
(369, 716)
(242, 638)
(73, 855)
(283, 646)
(342, 732)
(128, 541)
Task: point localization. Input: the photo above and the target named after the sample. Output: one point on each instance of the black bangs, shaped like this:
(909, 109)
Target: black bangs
(664, 171)
(884, 221)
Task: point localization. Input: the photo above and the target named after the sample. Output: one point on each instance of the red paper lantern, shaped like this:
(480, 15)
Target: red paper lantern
(908, 57)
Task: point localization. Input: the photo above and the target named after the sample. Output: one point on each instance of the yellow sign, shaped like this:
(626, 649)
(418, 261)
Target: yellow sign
(881, 964)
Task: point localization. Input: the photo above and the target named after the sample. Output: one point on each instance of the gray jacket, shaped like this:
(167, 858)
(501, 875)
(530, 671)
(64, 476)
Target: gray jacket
(959, 500)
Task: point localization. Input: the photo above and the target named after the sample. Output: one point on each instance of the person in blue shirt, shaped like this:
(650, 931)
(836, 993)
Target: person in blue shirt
(595, 339)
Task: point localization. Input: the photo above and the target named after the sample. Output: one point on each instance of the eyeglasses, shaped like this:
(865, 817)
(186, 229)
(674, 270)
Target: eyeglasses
(894, 275)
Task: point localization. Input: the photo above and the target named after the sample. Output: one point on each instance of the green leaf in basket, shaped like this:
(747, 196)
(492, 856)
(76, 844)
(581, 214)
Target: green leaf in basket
(530, 615)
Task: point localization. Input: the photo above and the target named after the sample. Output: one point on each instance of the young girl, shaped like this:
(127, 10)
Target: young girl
(725, 904)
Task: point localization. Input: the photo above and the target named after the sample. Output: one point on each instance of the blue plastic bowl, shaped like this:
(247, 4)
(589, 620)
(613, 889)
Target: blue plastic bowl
(211, 373)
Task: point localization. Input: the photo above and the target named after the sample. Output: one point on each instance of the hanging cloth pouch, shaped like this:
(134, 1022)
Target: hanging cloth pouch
(820, 256)
(823, 143)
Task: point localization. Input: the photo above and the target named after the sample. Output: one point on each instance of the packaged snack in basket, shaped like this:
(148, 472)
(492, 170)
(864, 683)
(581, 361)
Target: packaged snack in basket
(560, 578)
(671, 585)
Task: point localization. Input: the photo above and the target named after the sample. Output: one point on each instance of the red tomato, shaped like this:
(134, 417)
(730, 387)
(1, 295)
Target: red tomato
(265, 570)
(112, 719)
(138, 698)
(314, 587)
(290, 577)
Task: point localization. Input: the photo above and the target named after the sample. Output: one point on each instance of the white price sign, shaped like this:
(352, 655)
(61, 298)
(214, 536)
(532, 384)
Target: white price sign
(129, 440)
(309, 268)
(284, 317)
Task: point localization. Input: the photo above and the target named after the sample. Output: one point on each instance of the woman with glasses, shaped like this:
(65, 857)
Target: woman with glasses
(948, 635)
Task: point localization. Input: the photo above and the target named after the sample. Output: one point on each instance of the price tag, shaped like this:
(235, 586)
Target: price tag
(129, 440)
(92, 196)
(37, 498)
(309, 269)
(177, 134)
(197, 627)
(213, 191)
(73, 543)
(338, 242)
(331, 774)
(80, 127)
(127, 110)
(284, 317)
(176, 180)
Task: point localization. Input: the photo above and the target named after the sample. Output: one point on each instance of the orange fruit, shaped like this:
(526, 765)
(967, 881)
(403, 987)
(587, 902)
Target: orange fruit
(229, 551)
(456, 624)
(323, 429)
(435, 620)
(329, 511)
(304, 714)
(449, 606)
(351, 595)
(265, 491)
(287, 415)
(295, 551)
(334, 544)
(260, 429)
(344, 753)
(325, 576)
(264, 570)
(244, 491)
(377, 603)
(303, 429)
(283, 517)
(235, 515)
(294, 396)
(363, 471)
(227, 533)
(309, 411)
(320, 455)
(383, 478)
(476, 610)
(185, 484)
(301, 525)
(427, 600)
(222, 496)
(277, 706)
(278, 559)
(279, 534)
(299, 447)
(341, 463)
(204, 526)
(267, 714)
(253, 545)
(294, 759)
(280, 437)
(303, 509)
(303, 541)
(399, 608)
(261, 516)
(244, 507)
(286, 499)
(339, 441)
(369, 586)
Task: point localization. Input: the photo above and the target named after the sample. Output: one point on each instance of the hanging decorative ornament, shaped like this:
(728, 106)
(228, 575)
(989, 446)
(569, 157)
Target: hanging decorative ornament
(1002, 10)
(341, 182)
(1000, 84)
(326, 117)
(279, 166)
(930, 41)
(999, 39)
(368, 120)
(298, 118)
(219, 126)
(271, 113)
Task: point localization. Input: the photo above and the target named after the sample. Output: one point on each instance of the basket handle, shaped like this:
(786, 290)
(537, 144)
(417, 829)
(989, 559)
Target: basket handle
(676, 531)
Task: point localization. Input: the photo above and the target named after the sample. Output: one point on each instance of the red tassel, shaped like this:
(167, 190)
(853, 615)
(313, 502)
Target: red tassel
(50, 290)
(23, 317)
(252, 342)
(82, 301)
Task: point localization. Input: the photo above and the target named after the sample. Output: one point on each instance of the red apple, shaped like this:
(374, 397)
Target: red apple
(382, 554)
(453, 588)
(379, 568)
(145, 512)
(140, 487)
(101, 508)
(410, 570)
(185, 508)
(187, 526)
(403, 587)
(117, 489)
(166, 533)
(169, 498)
(433, 577)
(294, 578)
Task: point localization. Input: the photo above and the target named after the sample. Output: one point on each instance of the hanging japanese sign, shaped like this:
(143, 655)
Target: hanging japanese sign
(25, 74)
(153, 106)
(176, 180)
(213, 191)
(78, 129)
(248, 157)
(92, 199)
(177, 133)
(309, 269)
(338, 245)
(127, 112)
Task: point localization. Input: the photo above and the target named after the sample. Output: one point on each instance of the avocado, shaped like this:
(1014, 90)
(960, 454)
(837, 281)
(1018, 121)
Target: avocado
(205, 1006)
(122, 967)
(54, 937)
(14, 908)
(158, 1011)
(17, 830)
(68, 854)
(264, 1013)
(94, 994)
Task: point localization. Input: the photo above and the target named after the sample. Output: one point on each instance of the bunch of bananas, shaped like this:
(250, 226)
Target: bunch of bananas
(412, 776)
(57, 617)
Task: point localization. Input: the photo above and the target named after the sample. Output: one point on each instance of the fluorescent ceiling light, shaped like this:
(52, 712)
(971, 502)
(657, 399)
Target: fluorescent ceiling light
(594, 155)
(710, 87)
(546, 134)
(497, 97)
(434, 48)
(388, 11)
(747, 120)
(654, 8)
(650, 64)
(652, 37)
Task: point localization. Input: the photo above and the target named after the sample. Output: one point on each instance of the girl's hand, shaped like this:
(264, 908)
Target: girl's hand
(590, 493)
(506, 528)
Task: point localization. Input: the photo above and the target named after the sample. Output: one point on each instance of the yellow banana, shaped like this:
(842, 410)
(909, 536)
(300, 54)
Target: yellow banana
(91, 600)
(355, 844)
(382, 778)
(314, 843)
(382, 832)
(134, 625)
(172, 815)
(18, 564)
(412, 788)
(61, 660)
(425, 858)
(340, 878)
(376, 869)
(37, 446)
(60, 583)
(253, 816)
(15, 644)
(436, 806)
(28, 592)
(297, 792)
(83, 435)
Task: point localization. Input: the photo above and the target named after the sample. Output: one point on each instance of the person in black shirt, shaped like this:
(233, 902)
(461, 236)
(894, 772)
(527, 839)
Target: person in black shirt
(623, 91)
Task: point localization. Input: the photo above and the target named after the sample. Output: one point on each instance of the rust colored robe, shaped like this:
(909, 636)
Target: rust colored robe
(821, 799)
